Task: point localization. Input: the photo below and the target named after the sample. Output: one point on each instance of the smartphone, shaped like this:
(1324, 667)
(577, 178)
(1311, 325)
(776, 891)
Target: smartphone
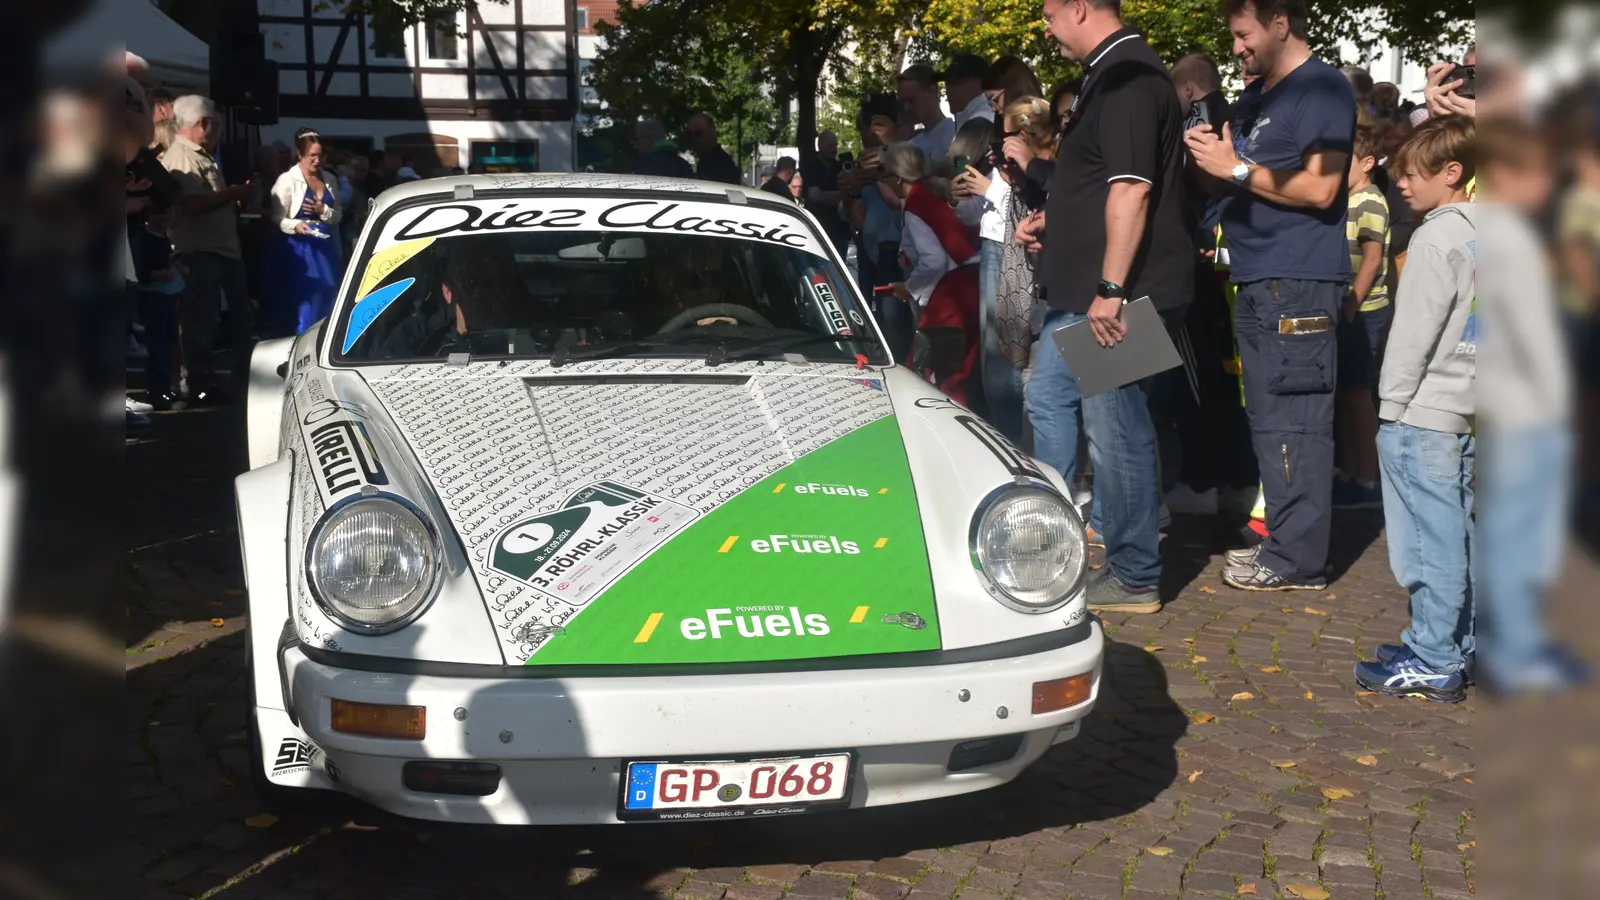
(1468, 75)
(961, 163)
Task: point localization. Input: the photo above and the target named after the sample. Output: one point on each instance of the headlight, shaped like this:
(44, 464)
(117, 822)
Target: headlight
(1029, 545)
(373, 562)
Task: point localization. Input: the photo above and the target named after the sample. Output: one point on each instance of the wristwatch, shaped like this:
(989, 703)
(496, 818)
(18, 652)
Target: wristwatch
(1241, 172)
(1112, 290)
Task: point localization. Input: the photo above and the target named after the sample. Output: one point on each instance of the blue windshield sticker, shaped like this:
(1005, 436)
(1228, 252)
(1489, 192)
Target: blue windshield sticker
(368, 308)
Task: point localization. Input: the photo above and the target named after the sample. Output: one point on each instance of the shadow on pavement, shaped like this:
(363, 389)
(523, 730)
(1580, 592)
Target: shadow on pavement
(191, 796)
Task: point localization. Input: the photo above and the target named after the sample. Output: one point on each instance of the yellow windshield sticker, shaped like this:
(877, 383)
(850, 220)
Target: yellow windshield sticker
(380, 264)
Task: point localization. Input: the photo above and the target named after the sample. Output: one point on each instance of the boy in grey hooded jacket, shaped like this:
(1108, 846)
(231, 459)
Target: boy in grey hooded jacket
(1426, 445)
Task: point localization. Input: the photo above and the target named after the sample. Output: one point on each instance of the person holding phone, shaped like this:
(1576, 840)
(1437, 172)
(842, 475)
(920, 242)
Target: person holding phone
(939, 254)
(205, 232)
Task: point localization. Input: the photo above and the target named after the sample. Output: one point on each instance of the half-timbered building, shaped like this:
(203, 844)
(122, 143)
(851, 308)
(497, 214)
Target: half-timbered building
(492, 88)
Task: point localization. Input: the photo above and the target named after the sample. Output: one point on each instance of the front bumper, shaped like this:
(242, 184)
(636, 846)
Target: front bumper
(561, 742)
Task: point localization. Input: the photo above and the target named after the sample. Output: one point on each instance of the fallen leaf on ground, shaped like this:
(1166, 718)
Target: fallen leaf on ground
(1199, 659)
(1195, 774)
(1247, 889)
(1285, 609)
(1310, 696)
(219, 622)
(1368, 760)
(1159, 851)
(1467, 845)
(1307, 891)
(1242, 695)
(1330, 596)
(1245, 627)
(1333, 793)
(1467, 780)
(1274, 729)
(1203, 718)
(264, 820)
(1314, 611)
(1366, 693)
(1207, 589)
(1270, 670)
(1152, 648)
(1188, 640)
(1286, 764)
(1094, 565)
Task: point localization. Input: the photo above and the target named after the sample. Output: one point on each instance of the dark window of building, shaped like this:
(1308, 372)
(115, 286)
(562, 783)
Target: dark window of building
(388, 40)
(444, 42)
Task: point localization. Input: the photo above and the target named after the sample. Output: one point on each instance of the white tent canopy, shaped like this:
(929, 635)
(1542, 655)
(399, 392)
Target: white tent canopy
(177, 58)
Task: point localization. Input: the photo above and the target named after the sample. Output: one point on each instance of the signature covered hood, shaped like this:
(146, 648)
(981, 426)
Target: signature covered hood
(645, 511)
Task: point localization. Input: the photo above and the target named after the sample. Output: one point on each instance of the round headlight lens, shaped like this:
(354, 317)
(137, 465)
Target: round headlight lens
(373, 563)
(1031, 545)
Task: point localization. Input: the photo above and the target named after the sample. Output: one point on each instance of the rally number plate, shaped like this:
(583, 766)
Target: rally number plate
(732, 789)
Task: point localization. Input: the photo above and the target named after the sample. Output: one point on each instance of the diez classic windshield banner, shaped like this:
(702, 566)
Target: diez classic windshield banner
(596, 214)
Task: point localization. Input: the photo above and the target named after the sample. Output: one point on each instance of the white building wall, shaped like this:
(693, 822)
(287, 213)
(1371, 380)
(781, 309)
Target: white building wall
(555, 138)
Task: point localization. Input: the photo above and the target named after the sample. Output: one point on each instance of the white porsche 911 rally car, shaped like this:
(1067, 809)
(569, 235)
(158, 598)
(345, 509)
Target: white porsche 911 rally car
(600, 499)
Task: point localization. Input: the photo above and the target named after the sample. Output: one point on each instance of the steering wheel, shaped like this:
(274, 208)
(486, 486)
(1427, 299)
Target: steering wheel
(706, 310)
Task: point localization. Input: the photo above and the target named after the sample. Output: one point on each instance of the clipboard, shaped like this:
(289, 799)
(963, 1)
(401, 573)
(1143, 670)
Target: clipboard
(1146, 349)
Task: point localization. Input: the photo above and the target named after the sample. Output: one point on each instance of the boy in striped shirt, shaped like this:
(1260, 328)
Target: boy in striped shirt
(1363, 328)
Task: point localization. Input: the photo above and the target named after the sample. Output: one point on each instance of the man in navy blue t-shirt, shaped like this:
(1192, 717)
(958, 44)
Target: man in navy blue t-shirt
(1283, 162)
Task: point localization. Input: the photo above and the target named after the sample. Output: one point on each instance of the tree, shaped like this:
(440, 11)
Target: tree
(787, 44)
(660, 62)
(398, 12)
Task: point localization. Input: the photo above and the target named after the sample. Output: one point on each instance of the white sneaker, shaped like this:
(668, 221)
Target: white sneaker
(1186, 501)
(134, 406)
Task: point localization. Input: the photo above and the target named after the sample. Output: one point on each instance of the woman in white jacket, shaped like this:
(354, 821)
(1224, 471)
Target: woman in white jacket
(307, 267)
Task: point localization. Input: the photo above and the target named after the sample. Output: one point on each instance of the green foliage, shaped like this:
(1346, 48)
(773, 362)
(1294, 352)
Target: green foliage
(661, 63)
(397, 12)
(670, 57)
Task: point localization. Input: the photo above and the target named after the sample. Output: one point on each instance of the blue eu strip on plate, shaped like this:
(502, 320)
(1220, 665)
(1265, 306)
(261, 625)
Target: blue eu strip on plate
(641, 786)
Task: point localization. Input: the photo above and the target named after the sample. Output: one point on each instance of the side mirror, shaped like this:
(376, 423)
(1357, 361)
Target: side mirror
(938, 351)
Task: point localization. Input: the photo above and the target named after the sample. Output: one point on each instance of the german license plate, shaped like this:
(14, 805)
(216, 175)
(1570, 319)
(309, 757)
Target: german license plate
(731, 789)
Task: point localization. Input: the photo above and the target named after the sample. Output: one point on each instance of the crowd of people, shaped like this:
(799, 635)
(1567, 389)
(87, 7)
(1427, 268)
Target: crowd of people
(238, 258)
(1309, 246)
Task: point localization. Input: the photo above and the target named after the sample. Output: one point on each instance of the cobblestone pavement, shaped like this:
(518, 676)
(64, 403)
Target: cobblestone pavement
(1230, 755)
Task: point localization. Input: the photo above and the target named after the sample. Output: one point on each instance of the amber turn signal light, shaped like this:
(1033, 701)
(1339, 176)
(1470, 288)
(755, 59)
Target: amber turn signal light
(407, 723)
(1049, 696)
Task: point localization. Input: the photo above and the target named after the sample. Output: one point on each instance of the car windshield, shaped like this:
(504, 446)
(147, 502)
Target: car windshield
(587, 276)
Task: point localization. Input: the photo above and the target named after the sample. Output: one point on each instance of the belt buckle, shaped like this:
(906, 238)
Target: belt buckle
(1305, 325)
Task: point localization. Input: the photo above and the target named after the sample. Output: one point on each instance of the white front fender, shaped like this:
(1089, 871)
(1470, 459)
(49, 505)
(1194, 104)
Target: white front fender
(264, 399)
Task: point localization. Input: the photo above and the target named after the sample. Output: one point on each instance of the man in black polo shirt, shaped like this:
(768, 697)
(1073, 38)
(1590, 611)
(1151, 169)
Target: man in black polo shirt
(1284, 162)
(1115, 232)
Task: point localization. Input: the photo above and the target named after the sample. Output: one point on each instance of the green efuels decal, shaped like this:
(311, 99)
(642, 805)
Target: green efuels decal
(823, 558)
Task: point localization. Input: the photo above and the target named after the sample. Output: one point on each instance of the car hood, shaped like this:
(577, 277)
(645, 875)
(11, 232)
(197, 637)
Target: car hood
(624, 512)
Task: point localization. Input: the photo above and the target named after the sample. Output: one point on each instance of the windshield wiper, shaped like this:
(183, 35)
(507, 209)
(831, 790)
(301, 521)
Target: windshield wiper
(770, 346)
(568, 353)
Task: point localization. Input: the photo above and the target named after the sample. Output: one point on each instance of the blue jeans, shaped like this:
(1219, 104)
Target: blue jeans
(1427, 507)
(1122, 444)
(1002, 381)
(1525, 483)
